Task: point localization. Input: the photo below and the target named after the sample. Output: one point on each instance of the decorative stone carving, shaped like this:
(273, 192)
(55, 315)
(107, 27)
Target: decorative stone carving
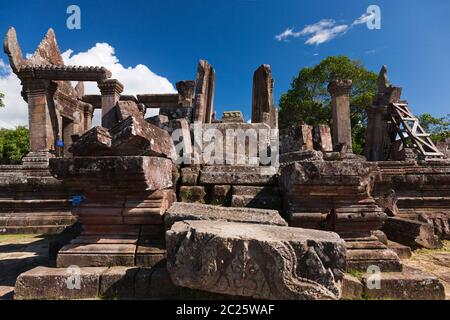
(257, 261)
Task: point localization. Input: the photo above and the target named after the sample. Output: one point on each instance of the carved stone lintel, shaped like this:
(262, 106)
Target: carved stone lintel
(258, 261)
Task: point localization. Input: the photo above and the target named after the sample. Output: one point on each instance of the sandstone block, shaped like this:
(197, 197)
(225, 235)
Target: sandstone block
(136, 137)
(192, 194)
(189, 211)
(95, 142)
(219, 194)
(258, 261)
(52, 283)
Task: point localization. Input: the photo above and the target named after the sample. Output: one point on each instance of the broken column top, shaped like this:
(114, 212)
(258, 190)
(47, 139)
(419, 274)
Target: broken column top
(340, 87)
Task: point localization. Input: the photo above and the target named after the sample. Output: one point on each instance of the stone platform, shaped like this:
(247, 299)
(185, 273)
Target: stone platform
(31, 200)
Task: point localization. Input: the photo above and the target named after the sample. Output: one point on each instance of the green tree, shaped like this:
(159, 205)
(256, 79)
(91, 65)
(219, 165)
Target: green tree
(308, 100)
(439, 128)
(14, 144)
(1, 100)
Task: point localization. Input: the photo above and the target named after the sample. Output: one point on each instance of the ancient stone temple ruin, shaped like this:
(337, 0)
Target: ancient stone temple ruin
(185, 204)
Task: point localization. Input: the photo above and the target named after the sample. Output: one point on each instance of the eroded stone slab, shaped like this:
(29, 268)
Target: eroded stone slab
(258, 261)
(190, 211)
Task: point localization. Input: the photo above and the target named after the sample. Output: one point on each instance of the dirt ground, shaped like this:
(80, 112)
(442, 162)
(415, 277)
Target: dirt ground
(19, 253)
(436, 262)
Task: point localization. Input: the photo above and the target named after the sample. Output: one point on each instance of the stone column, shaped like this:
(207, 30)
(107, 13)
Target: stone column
(204, 93)
(41, 114)
(88, 114)
(342, 127)
(110, 90)
(263, 109)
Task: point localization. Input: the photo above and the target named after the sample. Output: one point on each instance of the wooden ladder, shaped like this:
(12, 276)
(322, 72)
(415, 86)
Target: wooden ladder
(411, 132)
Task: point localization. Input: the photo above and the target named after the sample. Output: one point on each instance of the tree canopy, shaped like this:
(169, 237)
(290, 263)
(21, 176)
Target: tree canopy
(14, 144)
(439, 128)
(308, 100)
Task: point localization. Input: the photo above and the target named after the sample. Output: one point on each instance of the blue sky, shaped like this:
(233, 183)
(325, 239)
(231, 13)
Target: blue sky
(236, 36)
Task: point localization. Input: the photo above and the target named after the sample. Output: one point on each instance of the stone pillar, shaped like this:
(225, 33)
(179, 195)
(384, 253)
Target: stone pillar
(204, 93)
(342, 127)
(111, 90)
(41, 114)
(88, 114)
(263, 109)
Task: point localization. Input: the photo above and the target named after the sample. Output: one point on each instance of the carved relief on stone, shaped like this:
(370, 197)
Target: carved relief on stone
(263, 262)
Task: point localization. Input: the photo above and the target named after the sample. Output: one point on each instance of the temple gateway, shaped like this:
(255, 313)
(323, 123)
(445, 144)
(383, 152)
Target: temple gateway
(277, 214)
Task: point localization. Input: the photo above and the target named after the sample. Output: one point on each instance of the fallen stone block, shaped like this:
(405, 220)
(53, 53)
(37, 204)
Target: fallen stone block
(440, 223)
(257, 261)
(411, 284)
(53, 283)
(95, 142)
(136, 137)
(189, 211)
(127, 109)
(352, 288)
(411, 233)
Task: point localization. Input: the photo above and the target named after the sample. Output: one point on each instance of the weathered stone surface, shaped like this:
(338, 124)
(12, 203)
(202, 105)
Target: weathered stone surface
(302, 155)
(118, 283)
(334, 195)
(95, 142)
(232, 117)
(230, 143)
(143, 173)
(135, 137)
(411, 284)
(187, 211)
(219, 195)
(352, 288)
(189, 175)
(256, 197)
(263, 109)
(127, 109)
(258, 261)
(237, 175)
(322, 138)
(340, 101)
(51, 283)
(192, 194)
(297, 138)
(440, 223)
(204, 93)
(414, 234)
(403, 252)
(12, 49)
(388, 202)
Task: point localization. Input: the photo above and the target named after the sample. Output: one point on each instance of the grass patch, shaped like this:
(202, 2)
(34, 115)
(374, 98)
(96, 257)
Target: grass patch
(15, 237)
(355, 273)
(444, 249)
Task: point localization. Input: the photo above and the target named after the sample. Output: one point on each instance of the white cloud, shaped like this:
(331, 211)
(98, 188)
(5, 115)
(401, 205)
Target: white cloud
(138, 79)
(322, 31)
(15, 112)
(366, 17)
